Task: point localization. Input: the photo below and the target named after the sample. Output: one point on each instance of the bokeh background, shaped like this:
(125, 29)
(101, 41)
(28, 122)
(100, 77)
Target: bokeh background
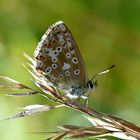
(106, 31)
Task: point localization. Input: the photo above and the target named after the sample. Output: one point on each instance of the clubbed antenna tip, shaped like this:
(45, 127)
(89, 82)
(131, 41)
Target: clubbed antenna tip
(102, 72)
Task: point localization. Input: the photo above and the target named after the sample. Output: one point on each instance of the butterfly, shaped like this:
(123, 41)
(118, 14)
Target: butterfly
(58, 59)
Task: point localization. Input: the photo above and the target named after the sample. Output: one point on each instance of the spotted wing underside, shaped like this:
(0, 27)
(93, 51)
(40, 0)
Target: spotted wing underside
(58, 58)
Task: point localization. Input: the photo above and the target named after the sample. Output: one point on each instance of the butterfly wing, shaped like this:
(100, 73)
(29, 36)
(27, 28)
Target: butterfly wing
(58, 58)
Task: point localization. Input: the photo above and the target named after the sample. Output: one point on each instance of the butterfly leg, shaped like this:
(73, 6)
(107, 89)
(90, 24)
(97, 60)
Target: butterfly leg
(86, 97)
(76, 100)
(86, 102)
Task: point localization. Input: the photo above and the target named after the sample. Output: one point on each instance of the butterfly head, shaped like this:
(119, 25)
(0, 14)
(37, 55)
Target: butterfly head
(91, 85)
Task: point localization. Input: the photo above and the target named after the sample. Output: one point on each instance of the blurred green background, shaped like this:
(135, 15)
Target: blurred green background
(106, 31)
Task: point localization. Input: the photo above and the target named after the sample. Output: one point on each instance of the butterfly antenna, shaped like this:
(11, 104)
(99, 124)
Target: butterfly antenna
(102, 72)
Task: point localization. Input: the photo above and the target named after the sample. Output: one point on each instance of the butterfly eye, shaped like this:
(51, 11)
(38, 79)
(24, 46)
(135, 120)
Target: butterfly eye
(91, 85)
